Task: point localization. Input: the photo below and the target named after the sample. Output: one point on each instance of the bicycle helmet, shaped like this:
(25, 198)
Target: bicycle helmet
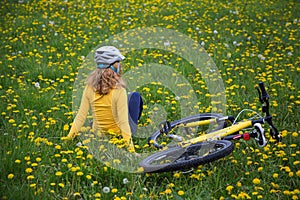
(107, 55)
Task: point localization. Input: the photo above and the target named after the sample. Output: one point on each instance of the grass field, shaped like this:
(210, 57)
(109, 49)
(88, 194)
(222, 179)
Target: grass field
(44, 44)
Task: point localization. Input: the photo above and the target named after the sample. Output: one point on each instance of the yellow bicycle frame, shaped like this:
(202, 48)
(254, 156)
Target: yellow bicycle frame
(216, 134)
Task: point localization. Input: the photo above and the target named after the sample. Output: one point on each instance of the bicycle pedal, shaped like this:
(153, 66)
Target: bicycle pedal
(176, 137)
(165, 127)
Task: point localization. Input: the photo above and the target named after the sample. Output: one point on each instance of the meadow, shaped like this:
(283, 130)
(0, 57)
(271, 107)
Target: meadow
(44, 44)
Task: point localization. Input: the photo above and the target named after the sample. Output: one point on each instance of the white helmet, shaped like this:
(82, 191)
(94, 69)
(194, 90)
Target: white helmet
(107, 55)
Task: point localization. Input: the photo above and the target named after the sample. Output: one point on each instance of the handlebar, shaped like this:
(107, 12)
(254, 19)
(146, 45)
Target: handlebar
(264, 99)
(264, 95)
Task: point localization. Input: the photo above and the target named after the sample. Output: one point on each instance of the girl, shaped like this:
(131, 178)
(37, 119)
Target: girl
(106, 96)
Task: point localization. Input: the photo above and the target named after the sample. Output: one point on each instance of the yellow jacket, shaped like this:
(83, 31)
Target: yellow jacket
(110, 113)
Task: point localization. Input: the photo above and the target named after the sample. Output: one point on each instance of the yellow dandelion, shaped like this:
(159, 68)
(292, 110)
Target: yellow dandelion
(89, 156)
(10, 176)
(140, 169)
(287, 168)
(27, 158)
(34, 164)
(73, 169)
(286, 192)
(57, 155)
(284, 133)
(66, 127)
(180, 193)
(117, 161)
(30, 177)
(295, 134)
(176, 175)
(80, 153)
(11, 121)
(95, 182)
(97, 195)
(28, 170)
(58, 173)
(256, 181)
(114, 190)
(229, 188)
(293, 145)
(171, 185)
(274, 185)
(275, 175)
(79, 173)
(88, 176)
(105, 169)
(243, 195)
(76, 194)
(168, 191)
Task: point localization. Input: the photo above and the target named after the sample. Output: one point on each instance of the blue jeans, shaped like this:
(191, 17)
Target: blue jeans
(135, 108)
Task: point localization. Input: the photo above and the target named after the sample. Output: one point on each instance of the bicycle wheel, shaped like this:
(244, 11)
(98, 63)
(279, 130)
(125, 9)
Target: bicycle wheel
(178, 158)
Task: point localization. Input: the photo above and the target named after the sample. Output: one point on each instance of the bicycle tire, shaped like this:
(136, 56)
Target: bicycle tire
(182, 161)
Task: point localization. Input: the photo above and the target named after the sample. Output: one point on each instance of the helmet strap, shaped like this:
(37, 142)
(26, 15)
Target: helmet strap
(101, 66)
(114, 69)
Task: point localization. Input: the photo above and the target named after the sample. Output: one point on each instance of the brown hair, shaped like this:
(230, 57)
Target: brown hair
(104, 80)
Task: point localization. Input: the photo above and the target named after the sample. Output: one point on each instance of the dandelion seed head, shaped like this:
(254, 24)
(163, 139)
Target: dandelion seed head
(106, 189)
(37, 85)
(125, 181)
(79, 144)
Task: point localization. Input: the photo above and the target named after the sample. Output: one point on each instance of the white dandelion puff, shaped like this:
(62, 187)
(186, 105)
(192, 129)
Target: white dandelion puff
(106, 189)
(37, 85)
(125, 181)
(79, 144)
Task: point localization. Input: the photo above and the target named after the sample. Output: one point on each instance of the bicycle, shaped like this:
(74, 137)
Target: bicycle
(210, 146)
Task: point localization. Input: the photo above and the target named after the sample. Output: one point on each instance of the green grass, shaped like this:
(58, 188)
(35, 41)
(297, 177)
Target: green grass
(44, 41)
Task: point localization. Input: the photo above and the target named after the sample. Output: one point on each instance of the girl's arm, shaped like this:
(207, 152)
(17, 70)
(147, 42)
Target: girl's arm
(81, 115)
(120, 97)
